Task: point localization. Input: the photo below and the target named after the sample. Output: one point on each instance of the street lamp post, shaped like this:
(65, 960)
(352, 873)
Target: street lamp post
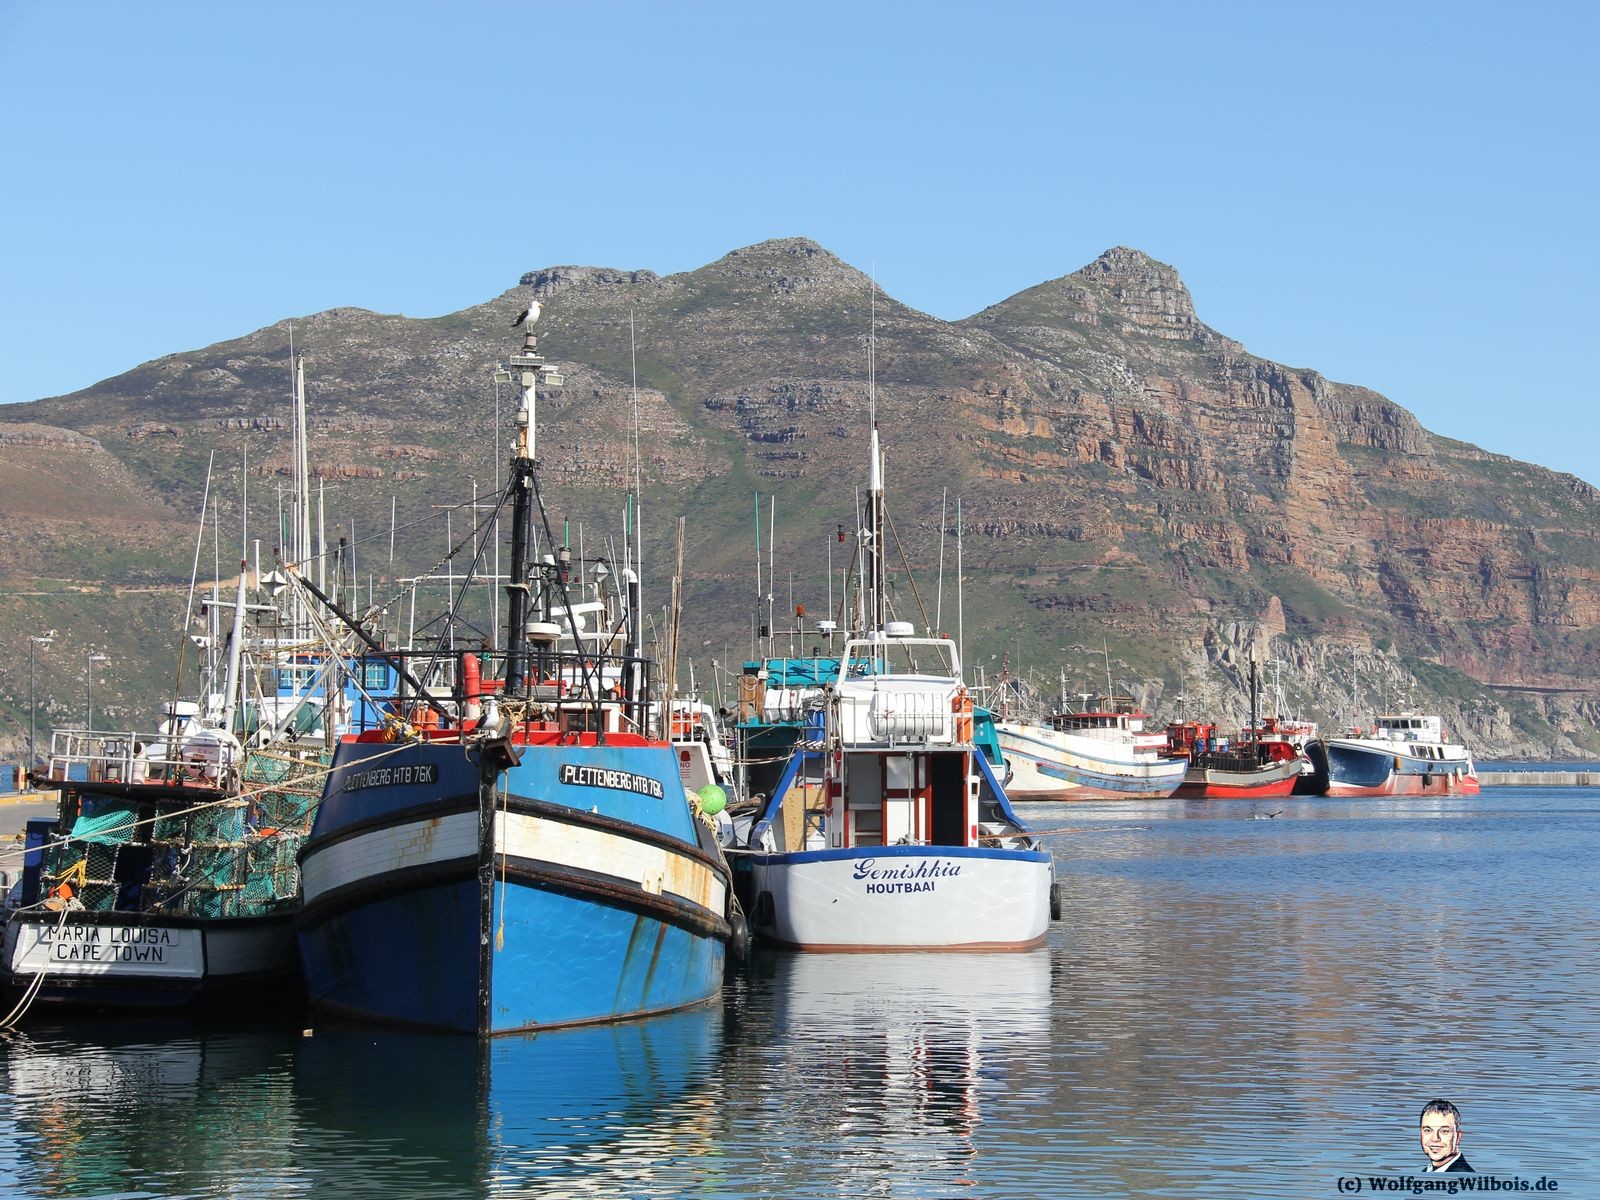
(88, 689)
(34, 643)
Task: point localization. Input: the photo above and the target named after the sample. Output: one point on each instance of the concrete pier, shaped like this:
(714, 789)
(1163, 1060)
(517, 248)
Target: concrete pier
(1539, 778)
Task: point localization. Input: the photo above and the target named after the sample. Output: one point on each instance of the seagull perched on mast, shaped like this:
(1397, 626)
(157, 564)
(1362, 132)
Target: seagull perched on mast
(529, 314)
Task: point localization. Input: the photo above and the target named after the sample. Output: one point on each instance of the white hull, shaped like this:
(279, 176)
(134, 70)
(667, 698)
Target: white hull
(129, 961)
(1048, 764)
(877, 898)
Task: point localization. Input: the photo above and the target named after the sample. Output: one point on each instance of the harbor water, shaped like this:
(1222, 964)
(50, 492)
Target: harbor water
(1235, 1004)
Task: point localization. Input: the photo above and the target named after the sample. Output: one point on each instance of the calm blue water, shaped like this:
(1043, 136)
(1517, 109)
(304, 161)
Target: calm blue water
(1233, 1007)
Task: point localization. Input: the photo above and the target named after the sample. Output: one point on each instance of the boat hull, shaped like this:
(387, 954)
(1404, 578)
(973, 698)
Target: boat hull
(903, 898)
(1363, 769)
(1215, 783)
(1049, 765)
(554, 896)
(134, 961)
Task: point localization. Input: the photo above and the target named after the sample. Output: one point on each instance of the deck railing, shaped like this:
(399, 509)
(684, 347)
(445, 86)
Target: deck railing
(129, 757)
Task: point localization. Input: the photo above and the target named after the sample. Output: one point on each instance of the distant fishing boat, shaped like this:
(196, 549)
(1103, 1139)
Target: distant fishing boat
(524, 855)
(1404, 754)
(1219, 769)
(1093, 754)
(1250, 767)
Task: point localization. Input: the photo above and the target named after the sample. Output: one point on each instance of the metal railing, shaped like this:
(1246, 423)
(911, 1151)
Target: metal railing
(129, 757)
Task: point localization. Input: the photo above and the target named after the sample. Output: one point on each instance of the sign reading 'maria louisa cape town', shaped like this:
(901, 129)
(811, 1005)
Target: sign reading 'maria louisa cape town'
(124, 949)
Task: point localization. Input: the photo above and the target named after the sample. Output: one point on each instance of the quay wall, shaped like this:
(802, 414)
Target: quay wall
(1539, 778)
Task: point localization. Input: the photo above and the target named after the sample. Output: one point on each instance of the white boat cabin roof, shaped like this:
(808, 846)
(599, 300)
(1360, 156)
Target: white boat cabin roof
(896, 653)
(1411, 727)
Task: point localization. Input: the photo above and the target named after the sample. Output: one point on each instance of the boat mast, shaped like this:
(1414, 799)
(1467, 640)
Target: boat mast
(230, 695)
(1254, 731)
(633, 573)
(529, 365)
(301, 551)
(877, 602)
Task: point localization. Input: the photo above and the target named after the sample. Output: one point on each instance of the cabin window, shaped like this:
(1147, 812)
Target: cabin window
(375, 676)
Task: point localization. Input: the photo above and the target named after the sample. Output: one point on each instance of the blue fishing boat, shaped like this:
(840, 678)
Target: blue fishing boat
(521, 853)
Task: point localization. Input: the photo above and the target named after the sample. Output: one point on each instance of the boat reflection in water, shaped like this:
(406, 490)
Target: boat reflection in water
(144, 1105)
(575, 1110)
(821, 1072)
(175, 1111)
(887, 1066)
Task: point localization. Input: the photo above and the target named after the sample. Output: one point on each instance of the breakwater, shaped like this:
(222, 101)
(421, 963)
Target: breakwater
(1539, 778)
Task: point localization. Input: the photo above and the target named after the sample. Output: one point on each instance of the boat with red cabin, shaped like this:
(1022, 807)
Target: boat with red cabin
(1223, 769)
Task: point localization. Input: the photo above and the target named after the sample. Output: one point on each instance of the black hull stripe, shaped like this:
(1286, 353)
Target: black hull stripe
(444, 806)
(361, 892)
(637, 833)
(582, 885)
(467, 802)
(619, 893)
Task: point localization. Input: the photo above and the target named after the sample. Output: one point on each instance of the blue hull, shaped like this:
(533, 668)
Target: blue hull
(560, 903)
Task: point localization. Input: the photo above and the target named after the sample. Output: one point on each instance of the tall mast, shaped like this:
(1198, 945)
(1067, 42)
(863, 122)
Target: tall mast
(300, 549)
(1255, 733)
(633, 575)
(530, 365)
(875, 562)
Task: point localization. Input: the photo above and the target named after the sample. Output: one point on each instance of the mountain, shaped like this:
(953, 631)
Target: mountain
(1135, 486)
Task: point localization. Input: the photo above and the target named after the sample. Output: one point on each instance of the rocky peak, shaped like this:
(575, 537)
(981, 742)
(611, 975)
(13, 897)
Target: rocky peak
(1130, 287)
(787, 265)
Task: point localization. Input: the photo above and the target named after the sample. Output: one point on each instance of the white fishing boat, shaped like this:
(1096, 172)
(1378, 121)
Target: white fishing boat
(1100, 753)
(888, 830)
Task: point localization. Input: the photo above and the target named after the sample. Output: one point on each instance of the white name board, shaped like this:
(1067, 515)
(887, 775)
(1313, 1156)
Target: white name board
(132, 950)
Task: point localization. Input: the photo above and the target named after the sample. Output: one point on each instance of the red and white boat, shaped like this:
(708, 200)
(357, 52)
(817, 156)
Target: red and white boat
(1220, 769)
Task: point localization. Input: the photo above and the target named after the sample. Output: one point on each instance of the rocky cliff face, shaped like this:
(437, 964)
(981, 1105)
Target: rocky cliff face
(1132, 482)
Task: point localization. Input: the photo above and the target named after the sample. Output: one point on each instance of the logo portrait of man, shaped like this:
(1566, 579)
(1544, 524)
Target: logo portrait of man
(1441, 1138)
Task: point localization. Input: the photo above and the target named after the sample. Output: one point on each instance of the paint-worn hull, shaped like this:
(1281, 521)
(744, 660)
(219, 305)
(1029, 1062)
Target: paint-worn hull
(1047, 764)
(575, 888)
(903, 898)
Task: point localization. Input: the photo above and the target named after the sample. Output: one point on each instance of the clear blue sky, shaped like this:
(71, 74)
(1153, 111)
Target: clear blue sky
(1400, 195)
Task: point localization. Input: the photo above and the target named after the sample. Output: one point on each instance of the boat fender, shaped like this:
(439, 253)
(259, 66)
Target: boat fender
(764, 911)
(738, 936)
(1055, 900)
